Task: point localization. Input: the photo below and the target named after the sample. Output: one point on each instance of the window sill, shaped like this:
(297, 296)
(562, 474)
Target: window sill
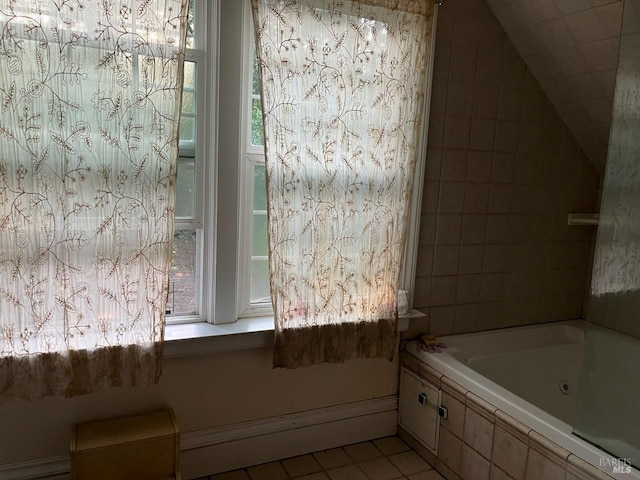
(201, 338)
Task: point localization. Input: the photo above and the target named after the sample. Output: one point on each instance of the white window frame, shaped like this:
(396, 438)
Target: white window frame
(224, 202)
(218, 49)
(408, 276)
(203, 54)
(252, 156)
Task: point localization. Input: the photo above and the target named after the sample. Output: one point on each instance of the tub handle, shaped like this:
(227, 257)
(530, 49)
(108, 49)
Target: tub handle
(422, 398)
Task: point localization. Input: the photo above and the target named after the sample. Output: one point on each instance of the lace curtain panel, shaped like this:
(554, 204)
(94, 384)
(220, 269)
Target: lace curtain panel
(90, 97)
(343, 91)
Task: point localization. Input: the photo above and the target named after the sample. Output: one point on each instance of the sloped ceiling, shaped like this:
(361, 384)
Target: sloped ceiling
(571, 47)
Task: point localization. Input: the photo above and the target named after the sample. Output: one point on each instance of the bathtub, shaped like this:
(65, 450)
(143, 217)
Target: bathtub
(531, 373)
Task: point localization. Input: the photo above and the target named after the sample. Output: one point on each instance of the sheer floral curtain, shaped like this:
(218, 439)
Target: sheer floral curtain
(343, 88)
(90, 96)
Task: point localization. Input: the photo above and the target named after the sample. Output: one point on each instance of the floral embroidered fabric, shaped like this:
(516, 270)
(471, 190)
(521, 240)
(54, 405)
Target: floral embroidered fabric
(90, 100)
(343, 91)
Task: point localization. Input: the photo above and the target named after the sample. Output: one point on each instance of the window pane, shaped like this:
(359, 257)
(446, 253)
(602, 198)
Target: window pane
(255, 88)
(182, 288)
(259, 292)
(187, 129)
(257, 132)
(189, 81)
(259, 281)
(187, 132)
(186, 188)
(259, 245)
(188, 102)
(259, 188)
(191, 25)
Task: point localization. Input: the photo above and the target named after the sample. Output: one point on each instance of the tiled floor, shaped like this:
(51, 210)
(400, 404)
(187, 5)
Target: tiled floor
(387, 458)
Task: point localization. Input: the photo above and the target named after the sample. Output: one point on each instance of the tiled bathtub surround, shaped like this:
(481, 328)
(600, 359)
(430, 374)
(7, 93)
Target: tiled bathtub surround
(503, 172)
(480, 442)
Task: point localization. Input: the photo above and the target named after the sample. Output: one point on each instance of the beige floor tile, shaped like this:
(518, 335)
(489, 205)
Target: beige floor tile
(391, 445)
(361, 452)
(267, 471)
(235, 475)
(387, 458)
(348, 472)
(336, 457)
(302, 465)
(409, 463)
(380, 469)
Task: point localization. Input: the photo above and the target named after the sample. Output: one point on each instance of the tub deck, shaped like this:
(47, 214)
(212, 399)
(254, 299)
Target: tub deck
(530, 373)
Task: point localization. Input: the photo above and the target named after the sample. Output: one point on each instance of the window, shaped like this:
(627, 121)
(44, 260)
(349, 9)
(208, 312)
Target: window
(186, 285)
(220, 267)
(254, 297)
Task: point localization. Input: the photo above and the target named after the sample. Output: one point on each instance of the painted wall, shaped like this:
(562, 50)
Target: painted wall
(205, 391)
(503, 172)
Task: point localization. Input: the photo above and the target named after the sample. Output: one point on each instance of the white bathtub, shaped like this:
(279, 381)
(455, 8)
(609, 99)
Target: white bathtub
(523, 371)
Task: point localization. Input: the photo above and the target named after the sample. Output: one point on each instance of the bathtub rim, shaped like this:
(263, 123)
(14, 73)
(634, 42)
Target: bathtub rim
(530, 415)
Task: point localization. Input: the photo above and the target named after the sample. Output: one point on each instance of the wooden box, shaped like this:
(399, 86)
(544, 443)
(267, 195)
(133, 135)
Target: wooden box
(141, 447)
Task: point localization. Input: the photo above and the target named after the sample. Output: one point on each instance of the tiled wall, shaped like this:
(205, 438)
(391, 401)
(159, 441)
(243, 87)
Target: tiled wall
(480, 442)
(502, 174)
(572, 49)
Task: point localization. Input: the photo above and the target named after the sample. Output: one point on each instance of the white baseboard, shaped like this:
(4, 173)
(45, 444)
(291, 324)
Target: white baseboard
(218, 449)
(52, 468)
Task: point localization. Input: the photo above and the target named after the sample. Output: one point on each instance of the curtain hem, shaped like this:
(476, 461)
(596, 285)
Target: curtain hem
(335, 343)
(79, 372)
